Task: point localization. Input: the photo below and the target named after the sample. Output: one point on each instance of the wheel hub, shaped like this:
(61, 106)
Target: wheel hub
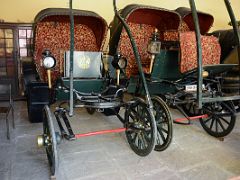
(137, 126)
(43, 140)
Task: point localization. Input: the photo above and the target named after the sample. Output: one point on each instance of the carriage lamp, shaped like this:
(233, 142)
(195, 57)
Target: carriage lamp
(48, 62)
(154, 47)
(119, 62)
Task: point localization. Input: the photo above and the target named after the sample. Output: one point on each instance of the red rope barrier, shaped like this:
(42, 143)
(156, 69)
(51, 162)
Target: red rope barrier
(191, 118)
(100, 132)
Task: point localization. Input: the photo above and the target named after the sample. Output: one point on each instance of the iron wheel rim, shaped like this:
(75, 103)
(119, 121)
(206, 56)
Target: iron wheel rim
(164, 124)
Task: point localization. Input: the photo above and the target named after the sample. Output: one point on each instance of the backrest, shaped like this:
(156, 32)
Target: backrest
(211, 51)
(57, 40)
(142, 33)
(169, 35)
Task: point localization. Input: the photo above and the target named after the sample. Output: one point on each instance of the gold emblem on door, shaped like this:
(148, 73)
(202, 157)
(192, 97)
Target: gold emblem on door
(84, 62)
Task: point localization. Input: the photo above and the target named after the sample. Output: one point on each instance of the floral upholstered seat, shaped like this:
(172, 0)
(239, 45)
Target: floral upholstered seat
(211, 51)
(52, 32)
(56, 38)
(142, 33)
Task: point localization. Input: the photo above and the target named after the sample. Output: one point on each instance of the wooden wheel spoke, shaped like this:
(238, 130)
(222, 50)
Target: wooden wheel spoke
(212, 122)
(134, 137)
(220, 123)
(147, 137)
(131, 115)
(158, 139)
(216, 125)
(144, 141)
(162, 136)
(206, 121)
(224, 120)
(139, 143)
(164, 130)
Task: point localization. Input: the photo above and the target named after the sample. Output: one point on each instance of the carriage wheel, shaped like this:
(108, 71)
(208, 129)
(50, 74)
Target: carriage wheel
(141, 128)
(50, 141)
(164, 123)
(221, 119)
(91, 111)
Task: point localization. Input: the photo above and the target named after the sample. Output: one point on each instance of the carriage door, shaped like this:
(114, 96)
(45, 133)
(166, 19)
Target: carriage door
(14, 42)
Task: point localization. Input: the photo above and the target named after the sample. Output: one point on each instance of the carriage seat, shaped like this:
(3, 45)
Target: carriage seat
(211, 51)
(56, 38)
(142, 33)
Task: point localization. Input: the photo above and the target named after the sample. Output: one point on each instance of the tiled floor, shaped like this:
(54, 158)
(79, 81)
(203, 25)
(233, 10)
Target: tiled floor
(193, 154)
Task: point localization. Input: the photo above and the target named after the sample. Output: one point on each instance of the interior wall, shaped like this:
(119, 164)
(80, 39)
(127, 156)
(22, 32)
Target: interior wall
(25, 10)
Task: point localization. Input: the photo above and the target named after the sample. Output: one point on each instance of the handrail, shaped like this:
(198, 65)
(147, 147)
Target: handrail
(199, 53)
(71, 57)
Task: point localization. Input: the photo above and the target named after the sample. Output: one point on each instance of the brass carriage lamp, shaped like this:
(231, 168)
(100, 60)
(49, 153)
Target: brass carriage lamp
(48, 62)
(119, 63)
(154, 47)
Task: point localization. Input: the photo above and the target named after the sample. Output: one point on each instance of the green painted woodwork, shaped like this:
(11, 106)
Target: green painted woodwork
(166, 66)
(155, 87)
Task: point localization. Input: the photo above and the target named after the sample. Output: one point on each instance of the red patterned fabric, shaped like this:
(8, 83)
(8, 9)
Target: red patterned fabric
(55, 36)
(174, 35)
(211, 51)
(142, 34)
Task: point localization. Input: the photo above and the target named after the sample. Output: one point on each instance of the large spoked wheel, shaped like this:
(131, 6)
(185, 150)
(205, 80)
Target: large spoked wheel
(164, 123)
(221, 118)
(50, 141)
(141, 128)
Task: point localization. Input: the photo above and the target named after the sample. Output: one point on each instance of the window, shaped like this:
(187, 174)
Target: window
(25, 42)
(6, 52)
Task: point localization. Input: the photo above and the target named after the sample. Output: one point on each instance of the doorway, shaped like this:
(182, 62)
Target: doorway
(15, 46)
